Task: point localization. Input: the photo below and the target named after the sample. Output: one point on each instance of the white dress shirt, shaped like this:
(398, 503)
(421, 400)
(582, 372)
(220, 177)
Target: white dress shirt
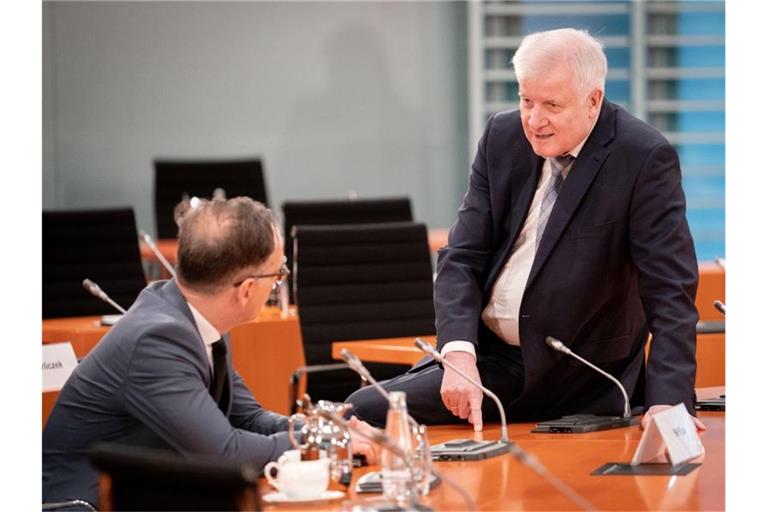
(208, 332)
(501, 315)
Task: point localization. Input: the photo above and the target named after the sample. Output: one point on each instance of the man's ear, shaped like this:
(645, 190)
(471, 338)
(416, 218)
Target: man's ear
(595, 100)
(244, 291)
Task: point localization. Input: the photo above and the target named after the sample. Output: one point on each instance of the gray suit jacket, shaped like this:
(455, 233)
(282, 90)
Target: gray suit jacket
(147, 384)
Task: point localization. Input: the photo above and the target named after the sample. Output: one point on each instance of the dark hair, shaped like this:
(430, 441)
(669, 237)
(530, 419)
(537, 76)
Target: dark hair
(221, 237)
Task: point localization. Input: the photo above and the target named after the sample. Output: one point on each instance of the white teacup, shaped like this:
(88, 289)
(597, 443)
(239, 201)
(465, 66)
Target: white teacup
(297, 478)
(289, 456)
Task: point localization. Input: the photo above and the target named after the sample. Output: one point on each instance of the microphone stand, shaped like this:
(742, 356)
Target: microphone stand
(580, 423)
(356, 365)
(720, 307)
(718, 403)
(468, 449)
(159, 255)
(528, 460)
(486, 448)
(97, 292)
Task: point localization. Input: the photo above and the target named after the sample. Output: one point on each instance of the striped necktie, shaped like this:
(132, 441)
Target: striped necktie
(557, 165)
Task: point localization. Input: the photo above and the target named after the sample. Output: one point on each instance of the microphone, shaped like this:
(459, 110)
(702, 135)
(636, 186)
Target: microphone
(159, 255)
(558, 345)
(96, 291)
(720, 262)
(427, 349)
(468, 449)
(720, 307)
(381, 439)
(579, 423)
(358, 367)
(518, 453)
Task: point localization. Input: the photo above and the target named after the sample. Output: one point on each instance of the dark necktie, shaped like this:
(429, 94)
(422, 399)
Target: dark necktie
(219, 372)
(557, 165)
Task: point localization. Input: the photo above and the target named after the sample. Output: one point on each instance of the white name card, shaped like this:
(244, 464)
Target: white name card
(59, 362)
(670, 437)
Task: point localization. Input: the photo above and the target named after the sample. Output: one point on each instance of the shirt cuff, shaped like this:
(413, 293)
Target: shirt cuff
(458, 346)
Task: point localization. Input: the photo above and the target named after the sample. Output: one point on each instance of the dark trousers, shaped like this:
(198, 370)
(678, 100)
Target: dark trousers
(501, 371)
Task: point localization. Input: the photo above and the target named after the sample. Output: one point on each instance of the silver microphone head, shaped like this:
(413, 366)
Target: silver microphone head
(356, 364)
(426, 348)
(348, 356)
(555, 343)
(91, 286)
(352, 360)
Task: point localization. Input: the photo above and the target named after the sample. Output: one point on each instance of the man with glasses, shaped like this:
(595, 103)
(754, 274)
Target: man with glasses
(162, 377)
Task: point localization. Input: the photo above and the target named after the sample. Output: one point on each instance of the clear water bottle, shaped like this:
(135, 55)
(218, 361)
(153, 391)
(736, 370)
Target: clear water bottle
(283, 302)
(395, 474)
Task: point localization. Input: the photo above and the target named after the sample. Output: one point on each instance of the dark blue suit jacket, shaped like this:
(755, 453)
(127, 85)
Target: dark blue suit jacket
(147, 384)
(616, 259)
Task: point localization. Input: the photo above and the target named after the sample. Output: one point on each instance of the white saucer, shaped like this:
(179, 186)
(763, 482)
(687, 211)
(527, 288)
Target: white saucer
(278, 497)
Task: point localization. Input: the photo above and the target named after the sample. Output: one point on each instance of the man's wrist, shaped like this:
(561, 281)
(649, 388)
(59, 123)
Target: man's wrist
(458, 346)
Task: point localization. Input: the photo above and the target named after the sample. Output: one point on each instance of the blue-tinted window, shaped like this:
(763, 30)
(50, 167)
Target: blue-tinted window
(701, 121)
(688, 109)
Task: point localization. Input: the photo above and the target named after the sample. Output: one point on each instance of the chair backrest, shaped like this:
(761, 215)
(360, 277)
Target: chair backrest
(360, 281)
(175, 179)
(345, 211)
(101, 245)
(143, 479)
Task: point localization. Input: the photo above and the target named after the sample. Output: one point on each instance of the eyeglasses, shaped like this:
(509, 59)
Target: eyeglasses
(278, 276)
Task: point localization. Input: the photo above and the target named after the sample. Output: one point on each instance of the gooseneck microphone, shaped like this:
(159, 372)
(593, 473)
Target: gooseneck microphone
(159, 255)
(381, 439)
(357, 365)
(720, 307)
(427, 349)
(527, 459)
(560, 347)
(96, 291)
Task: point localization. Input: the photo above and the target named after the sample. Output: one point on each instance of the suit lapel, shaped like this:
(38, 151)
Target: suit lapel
(171, 293)
(518, 214)
(577, 183)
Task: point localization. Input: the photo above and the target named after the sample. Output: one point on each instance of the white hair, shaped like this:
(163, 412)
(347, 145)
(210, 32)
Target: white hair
(540, 52)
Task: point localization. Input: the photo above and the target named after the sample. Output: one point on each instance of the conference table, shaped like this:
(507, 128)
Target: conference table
(265, 351)
(503, 483)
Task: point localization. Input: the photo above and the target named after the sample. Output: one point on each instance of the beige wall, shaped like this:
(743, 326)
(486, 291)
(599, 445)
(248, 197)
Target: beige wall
(333, 96)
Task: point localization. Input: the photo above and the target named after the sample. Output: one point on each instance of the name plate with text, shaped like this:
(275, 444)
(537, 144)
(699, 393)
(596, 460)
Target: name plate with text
(59, 362)
(670, 437)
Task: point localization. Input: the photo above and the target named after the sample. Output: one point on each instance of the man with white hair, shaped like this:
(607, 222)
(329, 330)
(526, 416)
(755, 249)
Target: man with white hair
(573, 226)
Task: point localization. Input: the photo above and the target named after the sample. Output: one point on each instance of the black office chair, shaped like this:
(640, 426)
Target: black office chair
(345, 211)
(178, 179)
(143, 479)
(360, 281)
(101, 245)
